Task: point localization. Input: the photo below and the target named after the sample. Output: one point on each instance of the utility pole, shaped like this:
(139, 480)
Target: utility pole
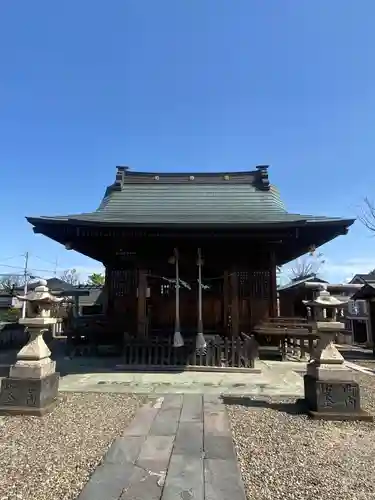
(25, 275)
(56, 264)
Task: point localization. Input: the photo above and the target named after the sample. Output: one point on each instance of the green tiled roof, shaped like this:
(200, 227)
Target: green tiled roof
(192, 198)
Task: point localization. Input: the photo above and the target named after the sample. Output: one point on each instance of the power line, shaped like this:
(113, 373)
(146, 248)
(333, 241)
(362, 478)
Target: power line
(45, 260)
(10, 258)
(54, 263)
(31, 269)
(11, 267)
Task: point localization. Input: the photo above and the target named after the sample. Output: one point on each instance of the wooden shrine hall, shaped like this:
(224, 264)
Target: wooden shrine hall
(190, 254)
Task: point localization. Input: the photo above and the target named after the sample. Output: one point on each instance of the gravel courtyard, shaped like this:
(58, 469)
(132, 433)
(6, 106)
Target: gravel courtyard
(288, 457)
(52, 458)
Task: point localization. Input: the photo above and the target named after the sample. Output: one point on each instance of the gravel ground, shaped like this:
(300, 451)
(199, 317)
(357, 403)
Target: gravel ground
(51, 458)
(289, 457)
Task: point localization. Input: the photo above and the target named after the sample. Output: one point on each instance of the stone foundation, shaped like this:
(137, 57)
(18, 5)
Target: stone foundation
(29, 396)
(333, 399)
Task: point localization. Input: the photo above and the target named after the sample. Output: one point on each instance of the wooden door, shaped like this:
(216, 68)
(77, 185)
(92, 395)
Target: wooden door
(188, 309)
(161, 305)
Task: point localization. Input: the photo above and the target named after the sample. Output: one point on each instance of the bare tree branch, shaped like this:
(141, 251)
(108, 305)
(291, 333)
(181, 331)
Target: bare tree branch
(70, 276)
(306, 266)
(367, 216)
(9, 282)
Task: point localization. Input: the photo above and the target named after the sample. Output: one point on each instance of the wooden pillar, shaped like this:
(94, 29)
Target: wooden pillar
(273, 286)
(235, 310)
(76, 306)
(107, 292)
(226, 290)
(142, 306)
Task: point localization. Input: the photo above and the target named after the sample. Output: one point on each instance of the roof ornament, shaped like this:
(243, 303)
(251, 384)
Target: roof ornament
(263, 173)
(120, 177)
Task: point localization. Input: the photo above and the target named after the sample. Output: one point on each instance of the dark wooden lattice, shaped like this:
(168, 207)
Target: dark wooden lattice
(260, 284)
(123, 282)
(244, 283)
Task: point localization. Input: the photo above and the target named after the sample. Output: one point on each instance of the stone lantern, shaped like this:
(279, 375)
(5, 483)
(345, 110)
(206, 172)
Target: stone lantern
(330, 391)
(32, 385)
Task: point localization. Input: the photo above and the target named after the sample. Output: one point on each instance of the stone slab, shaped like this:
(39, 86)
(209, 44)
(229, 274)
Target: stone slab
(166, 422)
(148, 488)
(185, 479)
(189, 439)
(219, 447)
(155, 453)
(217, 423)
(192, 408)
(212, 403)
(142, 422)
(124, 450)
(29, 396)
(32, 369)
(172, 401)
(110, 480)
(223, 480)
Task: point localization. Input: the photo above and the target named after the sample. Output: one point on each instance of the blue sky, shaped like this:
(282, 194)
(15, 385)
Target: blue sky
(185, 85)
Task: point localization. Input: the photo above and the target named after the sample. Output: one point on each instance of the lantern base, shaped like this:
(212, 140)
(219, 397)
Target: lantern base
(333, 399)
(29, 396)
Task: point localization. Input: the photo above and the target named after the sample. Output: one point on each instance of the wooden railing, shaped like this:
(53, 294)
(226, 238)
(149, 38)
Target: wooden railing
(293, 337)
(219, 353)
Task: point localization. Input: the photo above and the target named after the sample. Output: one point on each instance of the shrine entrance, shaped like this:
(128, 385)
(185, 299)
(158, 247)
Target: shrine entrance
(161, 305)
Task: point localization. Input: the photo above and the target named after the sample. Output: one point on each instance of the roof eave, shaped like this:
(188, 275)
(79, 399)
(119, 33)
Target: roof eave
(37, 221)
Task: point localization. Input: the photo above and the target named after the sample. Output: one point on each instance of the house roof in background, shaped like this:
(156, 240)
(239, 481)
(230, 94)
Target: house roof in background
(364, 277)
(54, 284)
(366, 292)
(296, 283)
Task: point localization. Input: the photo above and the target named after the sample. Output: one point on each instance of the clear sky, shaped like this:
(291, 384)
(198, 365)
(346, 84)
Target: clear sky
(185, 85)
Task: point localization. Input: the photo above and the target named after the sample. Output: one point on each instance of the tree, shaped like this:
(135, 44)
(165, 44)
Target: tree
(307, 266)
(367, 216)
(96, 279)
(9, 282)
(70, 276)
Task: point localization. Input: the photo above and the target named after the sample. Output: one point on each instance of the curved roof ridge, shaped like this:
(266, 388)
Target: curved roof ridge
(258, 177)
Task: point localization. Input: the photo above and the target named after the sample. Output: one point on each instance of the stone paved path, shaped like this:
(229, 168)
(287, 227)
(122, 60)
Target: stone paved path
(179, 448)
(275, 379)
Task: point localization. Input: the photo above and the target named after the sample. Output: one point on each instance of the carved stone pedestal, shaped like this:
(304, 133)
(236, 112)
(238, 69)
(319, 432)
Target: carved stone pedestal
(330, 391)
(28, 396)
(335, 399)
(33, 385)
